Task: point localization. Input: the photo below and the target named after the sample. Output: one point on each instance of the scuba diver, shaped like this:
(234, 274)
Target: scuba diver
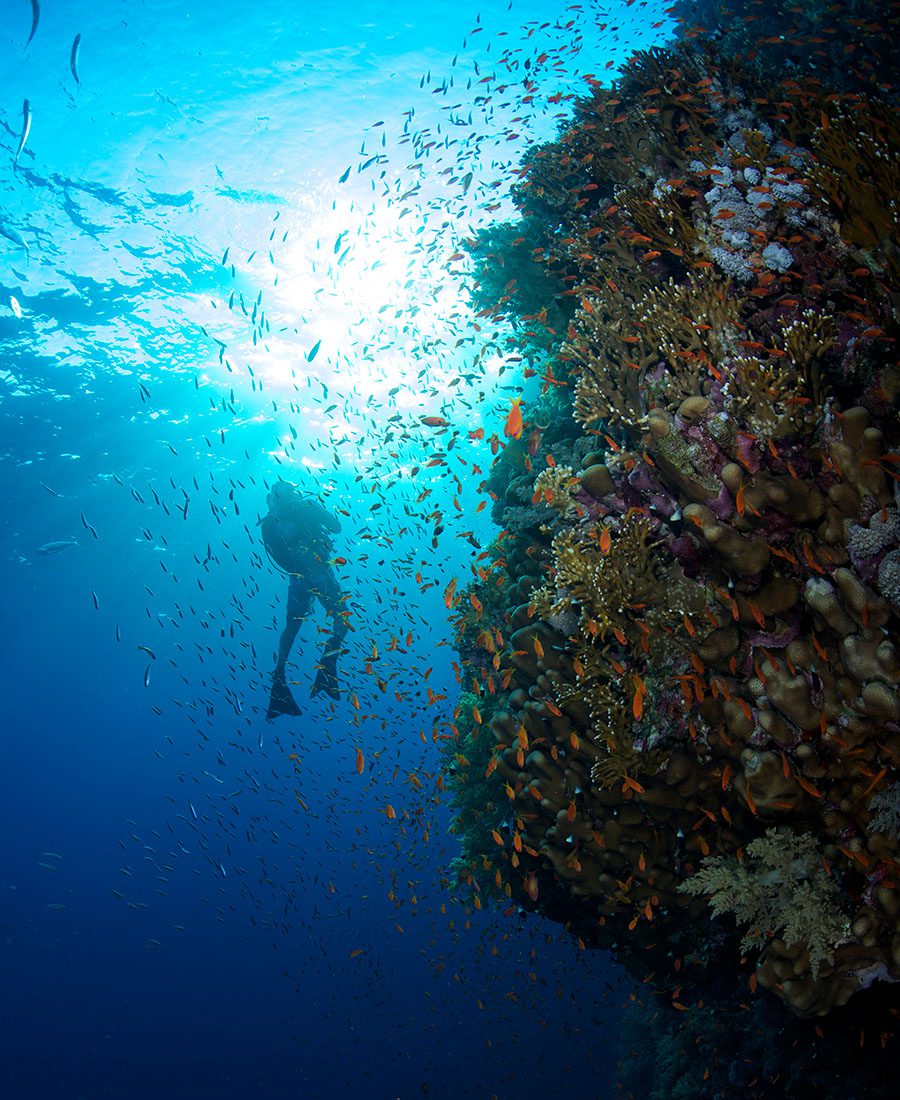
(297, 534)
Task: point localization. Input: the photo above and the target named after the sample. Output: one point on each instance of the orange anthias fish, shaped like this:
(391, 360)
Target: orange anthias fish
(605, 541)
(513, 427)
(640, 690)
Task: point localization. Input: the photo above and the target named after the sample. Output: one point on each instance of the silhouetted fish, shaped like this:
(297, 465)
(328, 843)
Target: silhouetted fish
(55, 547)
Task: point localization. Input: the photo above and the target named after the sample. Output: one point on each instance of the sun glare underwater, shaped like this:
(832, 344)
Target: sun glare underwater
(451, 549)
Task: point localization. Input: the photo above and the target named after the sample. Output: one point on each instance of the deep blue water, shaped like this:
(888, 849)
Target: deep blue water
(185, 910)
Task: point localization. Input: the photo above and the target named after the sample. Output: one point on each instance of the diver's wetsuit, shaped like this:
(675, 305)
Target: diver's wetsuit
(298, 540)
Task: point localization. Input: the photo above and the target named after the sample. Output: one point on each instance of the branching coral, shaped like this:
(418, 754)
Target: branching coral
(661, 352)
(555, 486)
(605, 578)
(858, 171)
(780, 888)
(768, 395)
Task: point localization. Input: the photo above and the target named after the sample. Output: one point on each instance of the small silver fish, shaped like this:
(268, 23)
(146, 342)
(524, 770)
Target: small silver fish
(55, 547)
(73, 59)
(35, 19)
(26, 130)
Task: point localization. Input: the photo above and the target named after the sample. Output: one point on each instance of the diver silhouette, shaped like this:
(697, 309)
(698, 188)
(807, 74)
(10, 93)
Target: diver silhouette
(297, 534)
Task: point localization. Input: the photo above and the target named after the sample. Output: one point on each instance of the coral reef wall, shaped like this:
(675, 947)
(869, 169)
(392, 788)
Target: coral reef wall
(681, 732)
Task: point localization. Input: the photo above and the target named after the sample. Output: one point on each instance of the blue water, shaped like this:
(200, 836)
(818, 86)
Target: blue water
(185, 909)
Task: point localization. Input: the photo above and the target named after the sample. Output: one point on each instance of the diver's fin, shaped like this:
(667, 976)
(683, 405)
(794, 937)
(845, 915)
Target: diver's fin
(281, 701)
(326, 678)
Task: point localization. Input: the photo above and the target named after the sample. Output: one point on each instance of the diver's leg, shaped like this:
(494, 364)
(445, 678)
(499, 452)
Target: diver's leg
(281, 701)
(299, 601)
(329, 595)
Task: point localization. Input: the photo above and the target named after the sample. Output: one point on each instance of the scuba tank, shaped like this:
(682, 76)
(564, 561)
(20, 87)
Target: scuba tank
(297, 534)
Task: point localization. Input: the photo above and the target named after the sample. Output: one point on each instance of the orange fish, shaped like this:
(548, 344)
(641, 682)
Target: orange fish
(808, 787)
(448, 594)
(871, 787)
(360, 762)
(757, 614)
(513, 427)
(605, 541)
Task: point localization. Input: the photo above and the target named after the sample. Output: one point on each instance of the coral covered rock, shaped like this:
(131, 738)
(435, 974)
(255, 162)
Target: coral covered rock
(699, 662)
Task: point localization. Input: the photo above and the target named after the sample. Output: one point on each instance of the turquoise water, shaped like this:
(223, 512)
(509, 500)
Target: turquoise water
(231, 252)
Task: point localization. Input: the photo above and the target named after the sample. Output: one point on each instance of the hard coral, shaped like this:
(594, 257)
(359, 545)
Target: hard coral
(699, 623)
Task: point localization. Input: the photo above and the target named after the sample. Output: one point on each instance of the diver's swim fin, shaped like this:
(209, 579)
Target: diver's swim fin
(281, 701)
(326, 678)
